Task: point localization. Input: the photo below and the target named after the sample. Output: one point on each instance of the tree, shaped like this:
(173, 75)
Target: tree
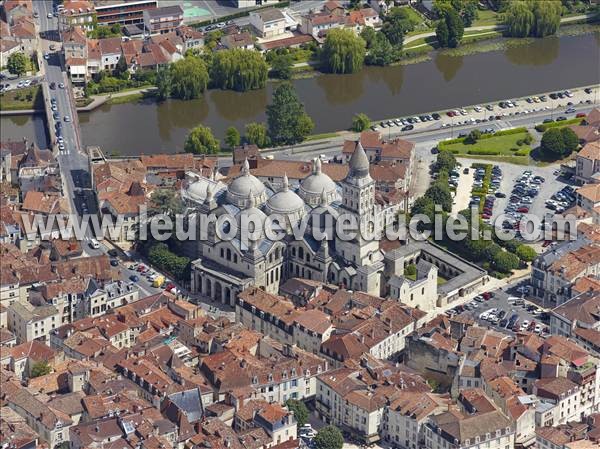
(368, 35)
(381, 53)
(17, 63)
(200, 140)
(189, 78)
(329, 437)
(532, 18)
(469, 13)
(446, 161)
(552, 145)
(163, 83)
(360, 122)
(570, 140)
(558, 143)
(505, 262)
(40, 368)
(299, 409)
(121, 66)
(288, 122)
(547, 17)
(440, 194)
(165, 202)
(473, 137)
(410, 270)
(396, 23)
(239, 69)
(256, 134)
(519, 19)
(441, 33)
(456, 28)
(232, 137)
(281, 66)
(343, 51)
(526, 253)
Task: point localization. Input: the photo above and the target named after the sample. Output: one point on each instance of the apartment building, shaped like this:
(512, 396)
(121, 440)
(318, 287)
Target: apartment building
(452, 429)
(29, 322)
(109, 12)
(163, 20)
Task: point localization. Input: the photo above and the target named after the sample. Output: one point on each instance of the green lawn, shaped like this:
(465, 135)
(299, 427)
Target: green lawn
(28, 98)
(504, 145)
(486, 17)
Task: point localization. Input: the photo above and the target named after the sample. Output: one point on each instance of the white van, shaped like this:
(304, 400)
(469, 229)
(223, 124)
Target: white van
(94, 243)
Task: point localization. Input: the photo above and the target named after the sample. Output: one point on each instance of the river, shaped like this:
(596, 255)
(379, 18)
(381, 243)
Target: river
(331, 100)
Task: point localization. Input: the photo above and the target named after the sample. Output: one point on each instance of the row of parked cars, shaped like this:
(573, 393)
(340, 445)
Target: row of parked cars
(406, 123)
(156, 279)
(474, 304)
(561, 200)
(525, 190)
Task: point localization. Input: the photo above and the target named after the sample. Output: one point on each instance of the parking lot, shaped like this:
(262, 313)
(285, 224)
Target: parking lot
(503, 309)
(490, 115)
(529, 188)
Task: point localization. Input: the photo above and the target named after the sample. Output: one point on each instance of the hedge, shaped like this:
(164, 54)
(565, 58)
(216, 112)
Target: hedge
(484, 152)
(522, 152)
(544, 126)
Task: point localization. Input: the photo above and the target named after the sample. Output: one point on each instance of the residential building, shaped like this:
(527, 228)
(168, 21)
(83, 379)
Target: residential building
(357, 400)
(29, 322)
(458, 430)
(404, 419)
(588, 162)
(51, 426)
(163, 19)
(109, 12)
(555, 271)
(77, 13)
(269, 22)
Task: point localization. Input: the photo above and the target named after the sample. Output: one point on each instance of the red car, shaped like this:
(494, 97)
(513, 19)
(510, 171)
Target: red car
(170, 286)
(450, 113)
(141, 268)
(546, 243)
(580, 115)
(523, 209)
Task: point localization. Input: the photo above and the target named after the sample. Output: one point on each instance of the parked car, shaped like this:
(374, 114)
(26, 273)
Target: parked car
(114, 262)
(134, 278)
(94, 243)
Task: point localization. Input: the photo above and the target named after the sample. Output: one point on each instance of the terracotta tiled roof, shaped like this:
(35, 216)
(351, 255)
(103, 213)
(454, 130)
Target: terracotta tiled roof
(590, 192)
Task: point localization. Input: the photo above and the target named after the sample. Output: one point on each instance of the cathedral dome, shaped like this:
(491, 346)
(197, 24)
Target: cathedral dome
(316, 186)
(285, 201)
(240, 188)
(251, 216)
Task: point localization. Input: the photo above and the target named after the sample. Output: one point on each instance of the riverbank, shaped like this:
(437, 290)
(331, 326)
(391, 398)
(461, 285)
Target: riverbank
(440, 84)
(21, 101)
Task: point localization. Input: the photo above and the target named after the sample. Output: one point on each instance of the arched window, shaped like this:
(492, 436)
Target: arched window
(228, 254)
(301, 253)
(222, 252)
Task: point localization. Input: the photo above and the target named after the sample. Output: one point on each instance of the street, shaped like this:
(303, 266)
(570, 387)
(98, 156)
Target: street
(73, 163)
